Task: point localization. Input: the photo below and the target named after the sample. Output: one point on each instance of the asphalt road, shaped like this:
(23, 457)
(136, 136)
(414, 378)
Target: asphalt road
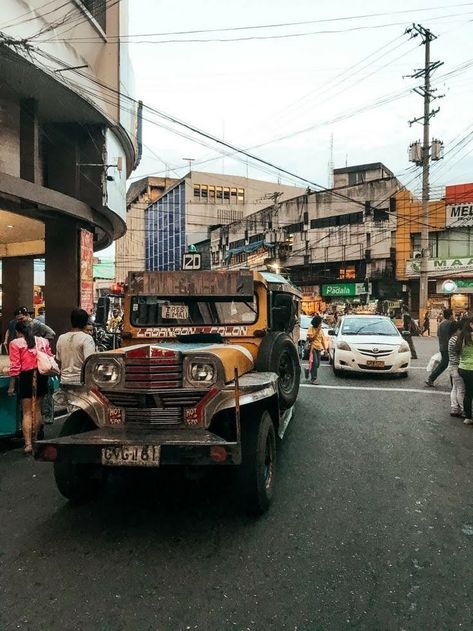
(371, 528)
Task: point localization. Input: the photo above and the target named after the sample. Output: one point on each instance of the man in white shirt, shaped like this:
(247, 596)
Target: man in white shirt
(73, 348)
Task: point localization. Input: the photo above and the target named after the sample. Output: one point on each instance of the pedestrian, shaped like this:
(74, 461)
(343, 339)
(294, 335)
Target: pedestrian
(457, 393)
(26, 381)
(41, 317)
(74, 347)
(426, 323)
(318, 343)
(465, 366)
(443, 337)
(10, 334)
(407, 326)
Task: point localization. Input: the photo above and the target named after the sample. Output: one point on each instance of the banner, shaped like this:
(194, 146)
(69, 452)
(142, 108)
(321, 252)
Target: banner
(86, 271)
(459, 215)
(441, 267)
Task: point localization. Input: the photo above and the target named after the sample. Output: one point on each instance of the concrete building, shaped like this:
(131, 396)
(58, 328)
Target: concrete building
(69, 141)
(343, 236)
(450, 268)
(130, 249)
(185, 214)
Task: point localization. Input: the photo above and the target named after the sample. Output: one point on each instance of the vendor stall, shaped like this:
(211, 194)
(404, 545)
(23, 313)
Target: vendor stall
(10, 417)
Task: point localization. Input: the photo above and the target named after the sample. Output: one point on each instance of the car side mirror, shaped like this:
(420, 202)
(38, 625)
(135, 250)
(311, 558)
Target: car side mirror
(405, 334)
(331, 332)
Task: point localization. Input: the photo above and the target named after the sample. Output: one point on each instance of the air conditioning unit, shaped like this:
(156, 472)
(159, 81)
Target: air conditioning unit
(417, 254)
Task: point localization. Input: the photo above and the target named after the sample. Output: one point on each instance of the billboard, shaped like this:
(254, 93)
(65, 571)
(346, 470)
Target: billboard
(86, 271)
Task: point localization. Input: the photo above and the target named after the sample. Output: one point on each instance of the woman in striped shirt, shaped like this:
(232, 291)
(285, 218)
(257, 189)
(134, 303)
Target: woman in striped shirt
(457, 393)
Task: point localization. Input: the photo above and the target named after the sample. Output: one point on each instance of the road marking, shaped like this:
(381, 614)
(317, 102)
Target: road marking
(305, 364)
(418, 390)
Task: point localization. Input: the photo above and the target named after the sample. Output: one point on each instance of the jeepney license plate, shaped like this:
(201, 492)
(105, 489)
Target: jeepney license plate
(131, 456)
(175, 312)
(375, 363)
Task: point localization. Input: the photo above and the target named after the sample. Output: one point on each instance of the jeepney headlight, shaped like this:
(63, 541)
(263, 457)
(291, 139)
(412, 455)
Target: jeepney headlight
(202, 372)
(106, 372)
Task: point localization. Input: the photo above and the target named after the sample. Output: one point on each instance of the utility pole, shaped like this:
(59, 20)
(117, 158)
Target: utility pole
(421, 155)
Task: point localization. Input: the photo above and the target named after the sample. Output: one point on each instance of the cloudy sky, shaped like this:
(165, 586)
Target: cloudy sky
(341, 73)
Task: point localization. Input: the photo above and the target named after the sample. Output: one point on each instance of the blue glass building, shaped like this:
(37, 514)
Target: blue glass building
(165, 230)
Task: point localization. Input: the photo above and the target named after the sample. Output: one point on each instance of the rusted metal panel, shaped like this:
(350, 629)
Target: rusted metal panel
(237, 284)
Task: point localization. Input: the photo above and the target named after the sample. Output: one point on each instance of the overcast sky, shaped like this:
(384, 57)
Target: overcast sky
(261, 94)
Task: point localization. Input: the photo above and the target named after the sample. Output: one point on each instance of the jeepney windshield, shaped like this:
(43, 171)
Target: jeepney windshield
(191, 310)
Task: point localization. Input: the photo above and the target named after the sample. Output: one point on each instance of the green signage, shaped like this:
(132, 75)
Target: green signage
(463, 284)
(340, 289)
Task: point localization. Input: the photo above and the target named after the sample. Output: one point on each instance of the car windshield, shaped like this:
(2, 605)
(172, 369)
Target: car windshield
(189, 310)
(368, 326)
(305, 321)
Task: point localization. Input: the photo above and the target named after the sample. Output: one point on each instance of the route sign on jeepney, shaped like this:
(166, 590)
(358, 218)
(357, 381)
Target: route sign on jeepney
(235, 283)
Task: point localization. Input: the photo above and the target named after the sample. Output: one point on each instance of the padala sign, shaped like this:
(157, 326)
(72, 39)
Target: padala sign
(344, 289)
(459, 215)
(440, 267)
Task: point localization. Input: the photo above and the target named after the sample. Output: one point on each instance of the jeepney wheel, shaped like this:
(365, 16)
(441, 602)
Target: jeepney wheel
(258, 468)
(77, 482)
(278, 354)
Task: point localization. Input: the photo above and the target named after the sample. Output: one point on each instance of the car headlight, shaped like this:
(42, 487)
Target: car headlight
(404, 347)
(202, 372)
(106, 372)
(343, 346)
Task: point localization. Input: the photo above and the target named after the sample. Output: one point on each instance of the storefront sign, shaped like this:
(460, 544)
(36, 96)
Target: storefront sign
(344, 289)
(440, 267)
(459, 215)
(457, 285)
(86, 271)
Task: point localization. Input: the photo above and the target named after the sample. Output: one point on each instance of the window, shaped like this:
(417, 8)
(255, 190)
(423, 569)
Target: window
(204, 193)
(241, 195)
(211, 193)
(233, 195)
(98, 10)
(339, 220)
(347, 273)
(219, 192)
(355, 178)
(197, 190)
(226, 193)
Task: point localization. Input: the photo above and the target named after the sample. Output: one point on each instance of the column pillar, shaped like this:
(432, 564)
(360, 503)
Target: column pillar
(17, 285)
(62, 272)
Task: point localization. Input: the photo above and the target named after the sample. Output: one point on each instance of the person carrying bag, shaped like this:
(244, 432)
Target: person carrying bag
(27, 380)
(318, 344)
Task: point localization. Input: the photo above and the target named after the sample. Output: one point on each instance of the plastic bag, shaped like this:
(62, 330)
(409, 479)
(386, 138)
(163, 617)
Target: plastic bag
(434, 361)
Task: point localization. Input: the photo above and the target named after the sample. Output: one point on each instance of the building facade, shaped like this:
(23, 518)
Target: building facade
(70, 129)
(450, 265)
(130, 249)
(185, 214)
(330, 242)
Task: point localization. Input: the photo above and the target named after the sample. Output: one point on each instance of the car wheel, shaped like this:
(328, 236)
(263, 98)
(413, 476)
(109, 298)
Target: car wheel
(77, 482)
(336, 371)
(258, 467)
(278, 354)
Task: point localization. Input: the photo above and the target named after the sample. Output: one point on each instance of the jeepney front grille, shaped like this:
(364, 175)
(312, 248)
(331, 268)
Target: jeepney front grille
(162, 408)
(153, 373)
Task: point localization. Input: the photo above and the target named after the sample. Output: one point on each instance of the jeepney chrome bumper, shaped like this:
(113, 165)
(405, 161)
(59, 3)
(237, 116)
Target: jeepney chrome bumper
(177, 446)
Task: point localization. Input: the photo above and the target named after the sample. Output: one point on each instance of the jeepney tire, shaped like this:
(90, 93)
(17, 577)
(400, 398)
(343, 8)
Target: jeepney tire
(258, 468)
(78, 483)
(278, 354)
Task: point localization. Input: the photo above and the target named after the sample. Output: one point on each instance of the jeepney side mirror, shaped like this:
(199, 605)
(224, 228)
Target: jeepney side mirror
(331, 332)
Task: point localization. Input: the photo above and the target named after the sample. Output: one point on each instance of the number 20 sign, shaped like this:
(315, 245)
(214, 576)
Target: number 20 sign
(192, 261)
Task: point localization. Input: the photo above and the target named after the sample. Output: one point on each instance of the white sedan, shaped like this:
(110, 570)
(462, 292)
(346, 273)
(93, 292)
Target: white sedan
(369, 344)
